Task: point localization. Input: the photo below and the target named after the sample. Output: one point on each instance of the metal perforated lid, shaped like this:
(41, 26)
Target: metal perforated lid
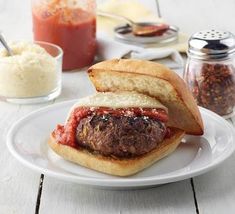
(212, 44)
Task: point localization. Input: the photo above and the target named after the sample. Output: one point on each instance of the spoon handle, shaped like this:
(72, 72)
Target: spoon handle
(113, 16)
(158, 9)
(4, 43)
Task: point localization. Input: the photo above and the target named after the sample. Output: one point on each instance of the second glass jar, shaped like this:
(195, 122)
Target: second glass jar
(212, 84)
(210, 70)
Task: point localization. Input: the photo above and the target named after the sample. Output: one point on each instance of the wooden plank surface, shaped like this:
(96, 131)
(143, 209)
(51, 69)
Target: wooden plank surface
(18, 185)
(215, 191)
(59, 197)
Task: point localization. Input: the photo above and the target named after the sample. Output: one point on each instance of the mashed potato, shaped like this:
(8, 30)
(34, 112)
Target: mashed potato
(30, 72)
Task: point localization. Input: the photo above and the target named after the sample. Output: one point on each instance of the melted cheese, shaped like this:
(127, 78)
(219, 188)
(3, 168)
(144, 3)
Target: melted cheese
(119, 100)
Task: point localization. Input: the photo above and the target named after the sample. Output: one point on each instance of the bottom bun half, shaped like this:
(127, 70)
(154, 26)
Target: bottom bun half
(114, 166)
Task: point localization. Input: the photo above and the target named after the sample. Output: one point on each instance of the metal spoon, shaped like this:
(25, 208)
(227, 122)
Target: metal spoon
(4, 43)
(158, 9)
(139, 29)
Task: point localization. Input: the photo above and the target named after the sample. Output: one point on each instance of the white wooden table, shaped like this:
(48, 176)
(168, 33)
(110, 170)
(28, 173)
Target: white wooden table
(24, 191)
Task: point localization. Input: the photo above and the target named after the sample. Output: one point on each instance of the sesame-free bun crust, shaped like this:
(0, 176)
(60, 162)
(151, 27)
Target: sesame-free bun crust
(154, 80)
(119, 167)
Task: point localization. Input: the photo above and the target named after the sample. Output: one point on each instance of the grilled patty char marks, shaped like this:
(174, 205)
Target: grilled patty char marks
(120, 136)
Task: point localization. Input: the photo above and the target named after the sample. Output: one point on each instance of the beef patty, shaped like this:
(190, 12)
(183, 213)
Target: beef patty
(120, 136)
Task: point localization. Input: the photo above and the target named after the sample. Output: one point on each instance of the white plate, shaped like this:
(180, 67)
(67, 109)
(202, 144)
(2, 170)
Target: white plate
(27, 141)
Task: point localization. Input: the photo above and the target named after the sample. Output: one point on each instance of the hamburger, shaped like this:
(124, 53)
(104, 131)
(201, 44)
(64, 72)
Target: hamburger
(140, 113)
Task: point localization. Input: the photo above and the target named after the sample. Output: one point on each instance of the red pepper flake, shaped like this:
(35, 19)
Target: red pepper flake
(213, 86)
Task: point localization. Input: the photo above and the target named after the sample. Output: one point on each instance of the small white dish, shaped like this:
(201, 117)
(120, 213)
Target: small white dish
(27, 142)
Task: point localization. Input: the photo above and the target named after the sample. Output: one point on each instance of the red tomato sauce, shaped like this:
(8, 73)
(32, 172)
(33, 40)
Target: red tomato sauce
(74, 30)
(67, 134)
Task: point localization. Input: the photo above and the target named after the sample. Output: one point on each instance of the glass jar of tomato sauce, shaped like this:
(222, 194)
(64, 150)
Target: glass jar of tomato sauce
(71, 24)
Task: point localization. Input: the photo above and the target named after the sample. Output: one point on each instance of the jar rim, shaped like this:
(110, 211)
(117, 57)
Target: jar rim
(204, 57)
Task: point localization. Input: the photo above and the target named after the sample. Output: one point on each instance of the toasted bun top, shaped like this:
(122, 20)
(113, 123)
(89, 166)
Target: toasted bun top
(119, 100)
(153, 80)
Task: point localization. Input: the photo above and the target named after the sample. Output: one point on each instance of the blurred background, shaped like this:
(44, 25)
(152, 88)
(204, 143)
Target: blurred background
(189, 15)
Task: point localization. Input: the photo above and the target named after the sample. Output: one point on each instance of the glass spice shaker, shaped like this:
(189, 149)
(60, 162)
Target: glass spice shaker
(210, 70)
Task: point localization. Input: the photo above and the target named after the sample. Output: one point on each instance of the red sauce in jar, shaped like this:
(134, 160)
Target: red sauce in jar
(67, 134)
(74, 30)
